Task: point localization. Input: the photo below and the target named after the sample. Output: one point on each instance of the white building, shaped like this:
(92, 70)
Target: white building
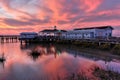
(28, 35)
(51, 32)
(102, 32)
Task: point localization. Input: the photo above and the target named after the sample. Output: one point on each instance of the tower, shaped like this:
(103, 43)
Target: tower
(55, 28)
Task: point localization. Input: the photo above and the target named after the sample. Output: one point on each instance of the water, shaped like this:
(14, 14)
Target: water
(54, 62)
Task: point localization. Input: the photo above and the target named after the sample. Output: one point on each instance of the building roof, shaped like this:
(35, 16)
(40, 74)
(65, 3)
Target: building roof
(101, 27)
(28, 33)
(53, 30)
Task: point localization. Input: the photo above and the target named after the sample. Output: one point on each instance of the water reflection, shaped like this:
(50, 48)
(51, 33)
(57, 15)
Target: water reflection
(2, 59)
(2, 64)
(40, 50)
(49, 62)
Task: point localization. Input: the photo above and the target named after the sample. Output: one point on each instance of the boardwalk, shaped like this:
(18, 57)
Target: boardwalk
(9, 38)
(62, 39)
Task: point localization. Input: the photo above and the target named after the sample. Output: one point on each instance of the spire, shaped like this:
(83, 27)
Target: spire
(55, 28)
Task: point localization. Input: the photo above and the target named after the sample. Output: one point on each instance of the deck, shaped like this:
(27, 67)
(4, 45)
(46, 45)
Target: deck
(62, 39)
(9, 38)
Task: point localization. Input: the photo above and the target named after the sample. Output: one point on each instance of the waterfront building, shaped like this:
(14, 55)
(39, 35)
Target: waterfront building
(102, 32)
(28, 35)
(51, 32)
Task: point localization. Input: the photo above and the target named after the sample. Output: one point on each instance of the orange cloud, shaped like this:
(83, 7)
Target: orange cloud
(66, 14)
(90, 5)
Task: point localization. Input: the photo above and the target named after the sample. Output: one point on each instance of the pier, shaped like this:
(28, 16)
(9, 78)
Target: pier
(96, 35)
(9, 38)
(58, 39)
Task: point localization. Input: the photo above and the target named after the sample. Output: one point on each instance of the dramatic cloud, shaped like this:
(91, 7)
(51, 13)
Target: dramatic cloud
(90, 5)
(35, 15)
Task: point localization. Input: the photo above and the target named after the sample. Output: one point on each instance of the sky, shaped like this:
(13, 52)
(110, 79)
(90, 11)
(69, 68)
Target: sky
(35, 15)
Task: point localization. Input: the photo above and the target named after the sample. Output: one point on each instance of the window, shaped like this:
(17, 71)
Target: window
(110, 34)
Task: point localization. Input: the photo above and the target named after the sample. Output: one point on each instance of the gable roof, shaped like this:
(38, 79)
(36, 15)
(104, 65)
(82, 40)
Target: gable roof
(28, 33)
(53, 30)
(101, 27)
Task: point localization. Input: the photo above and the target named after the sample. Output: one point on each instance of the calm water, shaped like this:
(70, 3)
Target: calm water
(54, 61)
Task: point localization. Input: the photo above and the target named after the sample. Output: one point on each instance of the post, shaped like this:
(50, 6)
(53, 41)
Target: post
(99, 43)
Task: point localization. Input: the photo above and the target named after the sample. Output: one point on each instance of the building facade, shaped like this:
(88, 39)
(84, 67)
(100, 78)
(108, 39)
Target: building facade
(51, 32)
(28, 35)
(102, 32)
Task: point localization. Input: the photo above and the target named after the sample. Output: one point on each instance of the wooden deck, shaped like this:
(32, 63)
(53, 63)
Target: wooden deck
(61, 39)
(9, 38)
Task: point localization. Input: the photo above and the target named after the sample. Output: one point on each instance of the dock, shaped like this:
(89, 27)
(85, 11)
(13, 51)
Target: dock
(9, 38)
(57, 39)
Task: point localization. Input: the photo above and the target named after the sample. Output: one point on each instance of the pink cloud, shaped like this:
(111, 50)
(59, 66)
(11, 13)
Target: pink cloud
(90, 5)
(66, 14)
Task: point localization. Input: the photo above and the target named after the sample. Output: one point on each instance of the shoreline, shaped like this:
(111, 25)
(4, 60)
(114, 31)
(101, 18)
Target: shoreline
(87, 50)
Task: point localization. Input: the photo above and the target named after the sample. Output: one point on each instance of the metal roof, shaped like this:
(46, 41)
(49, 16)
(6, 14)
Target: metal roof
(101, 27)
(53, 30)
(28, 33)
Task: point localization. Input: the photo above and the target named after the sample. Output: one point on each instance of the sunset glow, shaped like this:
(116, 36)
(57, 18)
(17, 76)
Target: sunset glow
(34, 15)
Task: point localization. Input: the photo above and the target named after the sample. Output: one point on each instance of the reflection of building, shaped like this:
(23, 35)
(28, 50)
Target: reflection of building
(36, 51)
(89, 33)
(51, 32)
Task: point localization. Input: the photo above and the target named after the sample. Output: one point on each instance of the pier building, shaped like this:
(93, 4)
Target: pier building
(28, 35)
(51, 32)
(102, 32)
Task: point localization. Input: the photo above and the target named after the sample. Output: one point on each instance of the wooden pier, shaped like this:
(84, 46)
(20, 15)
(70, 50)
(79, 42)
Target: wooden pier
(58, 39)
(9, 38)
